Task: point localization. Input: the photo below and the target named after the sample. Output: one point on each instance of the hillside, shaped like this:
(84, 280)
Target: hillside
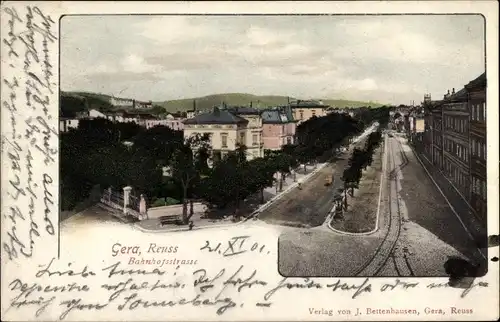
(78, 101)
(73, 102)
(206, 102)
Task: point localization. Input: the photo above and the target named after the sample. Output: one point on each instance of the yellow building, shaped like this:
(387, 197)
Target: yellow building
(227, 131)
(304, 110)
(253, 137)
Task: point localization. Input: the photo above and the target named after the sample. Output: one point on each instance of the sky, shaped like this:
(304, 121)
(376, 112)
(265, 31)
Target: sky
(388, 59)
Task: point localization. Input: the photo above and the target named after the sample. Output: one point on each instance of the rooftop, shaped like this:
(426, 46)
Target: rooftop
(274, 116)
(216, 116)
(243, 110)
(480, 81)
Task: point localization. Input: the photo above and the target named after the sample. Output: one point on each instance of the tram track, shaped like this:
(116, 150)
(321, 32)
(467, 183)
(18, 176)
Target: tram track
(388, 247)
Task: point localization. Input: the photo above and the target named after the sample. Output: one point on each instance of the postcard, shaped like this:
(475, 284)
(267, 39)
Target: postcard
(249, 161)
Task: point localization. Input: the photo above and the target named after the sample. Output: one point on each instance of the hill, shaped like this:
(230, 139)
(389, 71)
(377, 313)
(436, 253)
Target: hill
(78, 101)
(258, 101)
(73, 102)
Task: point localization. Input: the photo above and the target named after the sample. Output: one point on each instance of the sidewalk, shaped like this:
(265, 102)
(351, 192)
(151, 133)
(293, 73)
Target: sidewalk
(459, 206)
(270, 196)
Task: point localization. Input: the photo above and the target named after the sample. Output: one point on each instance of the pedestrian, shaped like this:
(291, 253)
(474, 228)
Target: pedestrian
(299, 184)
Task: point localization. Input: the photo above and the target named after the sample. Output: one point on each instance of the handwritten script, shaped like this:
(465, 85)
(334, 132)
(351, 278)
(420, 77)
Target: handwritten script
(29, 130)
(60, 287)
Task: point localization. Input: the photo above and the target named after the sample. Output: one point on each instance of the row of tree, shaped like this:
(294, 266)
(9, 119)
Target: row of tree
(360, 159)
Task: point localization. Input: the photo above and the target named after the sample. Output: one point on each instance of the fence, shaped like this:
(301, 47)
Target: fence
(125, 202)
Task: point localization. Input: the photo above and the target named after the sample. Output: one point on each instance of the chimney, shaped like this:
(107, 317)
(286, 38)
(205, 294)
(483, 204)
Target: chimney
(453, 91)
(194, 105)
(288, 99)
(448, 92)
(251, 103)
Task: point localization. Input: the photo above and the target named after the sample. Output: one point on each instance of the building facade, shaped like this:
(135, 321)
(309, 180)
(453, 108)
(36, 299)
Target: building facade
(226, 130)
(304, 110)
(129, 103)
(455, 141)
(65, 124)
(253, 139)
(437, 136)
(477, 117)
(416, 128)
(146, 120)
(278, 128)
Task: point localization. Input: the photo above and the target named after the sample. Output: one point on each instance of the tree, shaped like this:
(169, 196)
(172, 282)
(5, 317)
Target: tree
(282, 164)
(262, 170)
(241, 153)
(185, 166)
(337, 199)
(156, 109)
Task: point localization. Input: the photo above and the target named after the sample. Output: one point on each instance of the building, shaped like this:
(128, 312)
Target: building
(477, 117)
(278, 128)
(305, 109)
(455, 116)
(433, 137)
(437, 135)
(254, 142)
(227, 131)
(416, 128)
(146, 120)
(192, 112)
(175, 123)
(65, 124)
(455, 141)
(348, 111)
(129, 103)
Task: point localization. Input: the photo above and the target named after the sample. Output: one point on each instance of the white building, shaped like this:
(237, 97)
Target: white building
(65, 124)
(129, 103)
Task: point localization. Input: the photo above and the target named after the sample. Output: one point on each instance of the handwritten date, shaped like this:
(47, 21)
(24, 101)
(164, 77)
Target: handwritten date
(235, 246)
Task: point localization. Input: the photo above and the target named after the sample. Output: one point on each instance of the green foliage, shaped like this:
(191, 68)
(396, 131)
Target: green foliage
(94, 154)
(318, 136)
(160, 202)
(360, 159)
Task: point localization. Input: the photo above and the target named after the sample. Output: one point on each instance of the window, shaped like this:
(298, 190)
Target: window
(484, 111)
(301, 114)
(223, 138)
(313, 112)
(254, 139)
(242, 138)
(477, 113)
